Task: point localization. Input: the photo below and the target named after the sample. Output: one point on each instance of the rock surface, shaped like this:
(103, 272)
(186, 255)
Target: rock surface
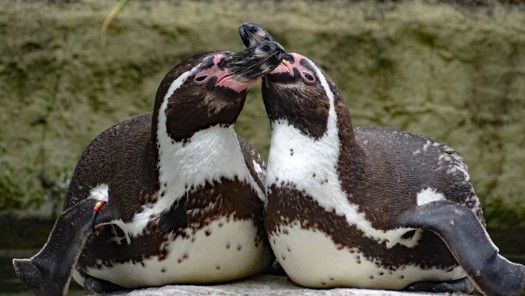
(264, 286)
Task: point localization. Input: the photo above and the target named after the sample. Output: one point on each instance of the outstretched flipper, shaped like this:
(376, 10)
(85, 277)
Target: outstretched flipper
(49, 271)
(469, 243)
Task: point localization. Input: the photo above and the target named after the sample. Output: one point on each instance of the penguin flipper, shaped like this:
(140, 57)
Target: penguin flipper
(49, 271)
(466, 238)
(458, 286)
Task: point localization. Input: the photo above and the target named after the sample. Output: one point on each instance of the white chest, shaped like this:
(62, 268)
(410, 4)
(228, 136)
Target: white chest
(310, 258)
(223, 251)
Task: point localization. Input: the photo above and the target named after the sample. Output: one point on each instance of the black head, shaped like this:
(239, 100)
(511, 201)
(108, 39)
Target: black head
(210, 88)
(299, 92)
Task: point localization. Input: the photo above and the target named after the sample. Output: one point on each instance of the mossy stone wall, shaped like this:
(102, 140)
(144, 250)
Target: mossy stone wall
(453, 73)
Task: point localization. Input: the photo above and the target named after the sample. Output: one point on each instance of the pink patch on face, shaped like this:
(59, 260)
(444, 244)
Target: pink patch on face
(224, 78)
(288, 67)
(227, 81)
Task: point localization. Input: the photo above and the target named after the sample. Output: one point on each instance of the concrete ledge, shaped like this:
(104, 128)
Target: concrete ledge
(261, 285)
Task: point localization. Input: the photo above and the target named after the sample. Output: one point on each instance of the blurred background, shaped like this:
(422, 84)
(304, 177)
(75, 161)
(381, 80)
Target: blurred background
(450, 70)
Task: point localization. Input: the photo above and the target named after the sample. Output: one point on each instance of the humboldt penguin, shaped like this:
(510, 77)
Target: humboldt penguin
(170, 197)
(368, 207)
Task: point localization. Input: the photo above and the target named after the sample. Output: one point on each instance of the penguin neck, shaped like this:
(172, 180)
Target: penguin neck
(208, 155)
(298, 158)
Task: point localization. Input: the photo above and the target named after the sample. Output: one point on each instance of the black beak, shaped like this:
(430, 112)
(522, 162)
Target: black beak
(254, 62)
(253, 34)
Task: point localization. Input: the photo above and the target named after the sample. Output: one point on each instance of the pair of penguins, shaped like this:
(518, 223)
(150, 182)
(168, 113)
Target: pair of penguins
(179, 197)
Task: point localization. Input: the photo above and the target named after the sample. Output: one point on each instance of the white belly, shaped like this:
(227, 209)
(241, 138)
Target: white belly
(311, 259)
(227, 253)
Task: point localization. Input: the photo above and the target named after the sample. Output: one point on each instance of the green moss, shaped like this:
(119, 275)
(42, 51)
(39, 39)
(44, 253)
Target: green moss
(446, 71)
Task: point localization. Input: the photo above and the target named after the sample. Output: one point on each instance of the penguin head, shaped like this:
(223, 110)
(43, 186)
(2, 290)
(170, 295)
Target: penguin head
(210, 89)
(299, 92)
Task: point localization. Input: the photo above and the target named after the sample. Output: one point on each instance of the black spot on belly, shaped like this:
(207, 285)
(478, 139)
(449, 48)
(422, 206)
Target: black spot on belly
(163, 270)
(207, 232)
(371, 277)
(227, 246)
(239, 247)
(291, 152)
(284, 258)
(217, 267)
(323, 283)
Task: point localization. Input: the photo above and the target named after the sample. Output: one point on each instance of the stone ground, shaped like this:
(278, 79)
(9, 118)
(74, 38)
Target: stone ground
(262, 285)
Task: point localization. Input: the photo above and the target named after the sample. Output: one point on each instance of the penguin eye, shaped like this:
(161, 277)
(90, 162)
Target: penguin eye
(200, 79)
(308, 77)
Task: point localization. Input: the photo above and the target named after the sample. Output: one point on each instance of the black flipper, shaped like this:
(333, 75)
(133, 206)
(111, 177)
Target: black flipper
(49, 271)
(458, 286)
(469, 243)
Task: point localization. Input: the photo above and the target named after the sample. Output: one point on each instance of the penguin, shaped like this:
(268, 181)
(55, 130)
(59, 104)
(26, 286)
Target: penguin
(170, 197)
(368, 207)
